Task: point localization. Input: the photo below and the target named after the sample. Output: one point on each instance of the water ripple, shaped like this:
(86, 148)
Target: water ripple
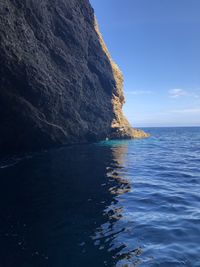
(160, 214)
(115, 204)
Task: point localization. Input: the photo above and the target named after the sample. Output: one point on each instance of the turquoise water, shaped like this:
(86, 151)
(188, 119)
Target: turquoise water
(115, 203)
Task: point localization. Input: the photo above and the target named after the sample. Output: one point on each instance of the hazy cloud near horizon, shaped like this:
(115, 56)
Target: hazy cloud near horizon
(181, 107)
(176, 93)
(140, 92)
(187, 111)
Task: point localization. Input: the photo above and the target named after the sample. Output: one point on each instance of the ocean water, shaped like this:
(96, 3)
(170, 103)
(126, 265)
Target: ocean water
(114, 203)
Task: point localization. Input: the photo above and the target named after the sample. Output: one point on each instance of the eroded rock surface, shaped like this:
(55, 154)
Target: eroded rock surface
(58, 83)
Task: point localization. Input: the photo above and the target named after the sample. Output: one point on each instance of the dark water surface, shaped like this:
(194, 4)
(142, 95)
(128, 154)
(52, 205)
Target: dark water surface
(116, 203)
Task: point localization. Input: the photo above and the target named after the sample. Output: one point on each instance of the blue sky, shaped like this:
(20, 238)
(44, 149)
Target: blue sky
(156, 44)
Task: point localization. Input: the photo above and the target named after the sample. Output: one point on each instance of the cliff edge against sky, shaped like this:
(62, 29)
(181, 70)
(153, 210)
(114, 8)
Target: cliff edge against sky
(58, 82)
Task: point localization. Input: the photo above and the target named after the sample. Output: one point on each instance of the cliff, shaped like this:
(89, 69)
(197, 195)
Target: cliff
(58, 83)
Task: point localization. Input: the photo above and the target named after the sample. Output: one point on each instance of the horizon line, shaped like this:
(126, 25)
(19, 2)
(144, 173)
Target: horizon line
(187, 126)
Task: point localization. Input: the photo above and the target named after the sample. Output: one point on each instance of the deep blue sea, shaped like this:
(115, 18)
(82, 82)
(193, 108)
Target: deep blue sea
(114, 203)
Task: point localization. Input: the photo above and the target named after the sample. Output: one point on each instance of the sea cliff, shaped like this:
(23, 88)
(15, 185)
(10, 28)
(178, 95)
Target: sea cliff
(58, 83)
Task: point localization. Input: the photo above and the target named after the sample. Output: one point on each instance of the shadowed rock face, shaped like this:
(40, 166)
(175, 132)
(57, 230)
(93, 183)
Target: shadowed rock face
(58, 84)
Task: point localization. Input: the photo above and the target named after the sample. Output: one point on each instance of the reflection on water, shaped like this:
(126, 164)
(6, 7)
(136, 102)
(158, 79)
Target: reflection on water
(110, 235)
(122, 204)
(60, 208)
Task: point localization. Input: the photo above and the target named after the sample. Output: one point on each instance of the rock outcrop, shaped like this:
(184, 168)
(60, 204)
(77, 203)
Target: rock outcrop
(58, 83)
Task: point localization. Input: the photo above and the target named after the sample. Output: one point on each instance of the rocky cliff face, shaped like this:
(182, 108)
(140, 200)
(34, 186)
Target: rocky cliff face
(58, 83)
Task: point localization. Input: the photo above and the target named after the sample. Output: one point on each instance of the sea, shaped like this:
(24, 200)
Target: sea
(122, 203)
